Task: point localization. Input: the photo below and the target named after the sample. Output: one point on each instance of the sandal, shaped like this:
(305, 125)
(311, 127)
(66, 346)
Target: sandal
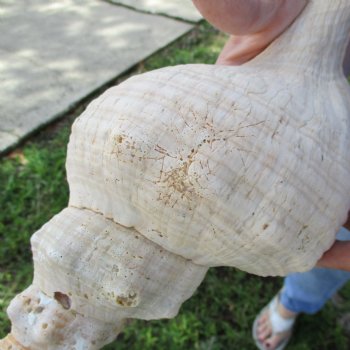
(278, 323)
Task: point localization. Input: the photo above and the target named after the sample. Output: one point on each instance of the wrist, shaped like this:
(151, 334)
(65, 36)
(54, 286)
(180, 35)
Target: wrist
(337, 257)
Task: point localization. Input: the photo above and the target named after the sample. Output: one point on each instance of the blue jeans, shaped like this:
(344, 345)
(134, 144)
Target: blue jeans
(307, 292)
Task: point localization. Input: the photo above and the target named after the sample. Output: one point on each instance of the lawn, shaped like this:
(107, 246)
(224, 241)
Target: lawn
(219, 316)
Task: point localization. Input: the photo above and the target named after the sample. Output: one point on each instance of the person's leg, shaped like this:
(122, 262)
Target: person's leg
(302, 293)
(307, 292)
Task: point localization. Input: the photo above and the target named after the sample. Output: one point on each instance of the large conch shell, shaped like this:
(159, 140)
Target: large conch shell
(190, 167)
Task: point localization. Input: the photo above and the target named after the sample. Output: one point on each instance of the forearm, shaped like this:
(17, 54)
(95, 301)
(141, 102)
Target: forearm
(338, 257)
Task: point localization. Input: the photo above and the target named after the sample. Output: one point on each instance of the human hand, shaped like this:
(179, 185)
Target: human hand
(252, 24)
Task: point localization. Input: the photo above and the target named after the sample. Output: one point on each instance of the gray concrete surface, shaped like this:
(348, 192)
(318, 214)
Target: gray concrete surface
(183, 9)
(54, 53)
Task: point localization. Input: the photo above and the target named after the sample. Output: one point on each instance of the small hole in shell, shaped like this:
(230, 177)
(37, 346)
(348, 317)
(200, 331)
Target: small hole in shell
(27, 301)
(38, 310)
(63, 299)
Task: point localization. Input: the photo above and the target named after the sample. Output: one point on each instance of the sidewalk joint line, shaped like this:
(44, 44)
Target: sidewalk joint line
(159, 14)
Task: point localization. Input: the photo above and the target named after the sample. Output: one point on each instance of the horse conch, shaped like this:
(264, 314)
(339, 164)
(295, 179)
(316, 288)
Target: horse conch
(190, 167)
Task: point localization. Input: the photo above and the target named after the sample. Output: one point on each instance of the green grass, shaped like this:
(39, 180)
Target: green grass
(220, 314)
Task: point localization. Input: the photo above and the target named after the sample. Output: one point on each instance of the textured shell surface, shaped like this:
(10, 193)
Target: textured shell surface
(188, 167)
(220, 165)
(91, 275)
(197, 160)
(42, 323)
(110, 272)
(240, 166)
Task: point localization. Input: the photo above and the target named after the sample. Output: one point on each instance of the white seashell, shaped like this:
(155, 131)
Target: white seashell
(95, 274)
(110, 272)
(53, 327)
(189, 167)
(237, 166)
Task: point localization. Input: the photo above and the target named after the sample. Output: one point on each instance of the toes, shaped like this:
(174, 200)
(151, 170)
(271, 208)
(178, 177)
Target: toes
(263, 328)
(263, 319)
(273, 342)
(264, 334)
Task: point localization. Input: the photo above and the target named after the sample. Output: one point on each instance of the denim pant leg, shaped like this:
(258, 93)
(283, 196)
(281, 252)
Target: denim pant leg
(307, 292)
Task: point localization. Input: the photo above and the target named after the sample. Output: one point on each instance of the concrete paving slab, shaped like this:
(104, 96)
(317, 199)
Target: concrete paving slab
(57, 52)
(173, 8)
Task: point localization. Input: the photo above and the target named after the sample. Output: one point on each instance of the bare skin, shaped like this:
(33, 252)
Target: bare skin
(253, 25)
(265, 332)
(338, 256)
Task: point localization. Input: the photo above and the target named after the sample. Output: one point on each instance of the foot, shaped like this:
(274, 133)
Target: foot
(273, 327)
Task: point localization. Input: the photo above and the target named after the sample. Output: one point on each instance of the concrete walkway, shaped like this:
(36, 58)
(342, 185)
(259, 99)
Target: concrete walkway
(55, 53)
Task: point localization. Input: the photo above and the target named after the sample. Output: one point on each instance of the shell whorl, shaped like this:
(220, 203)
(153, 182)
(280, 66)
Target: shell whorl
(217, 165)
(110, 272)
